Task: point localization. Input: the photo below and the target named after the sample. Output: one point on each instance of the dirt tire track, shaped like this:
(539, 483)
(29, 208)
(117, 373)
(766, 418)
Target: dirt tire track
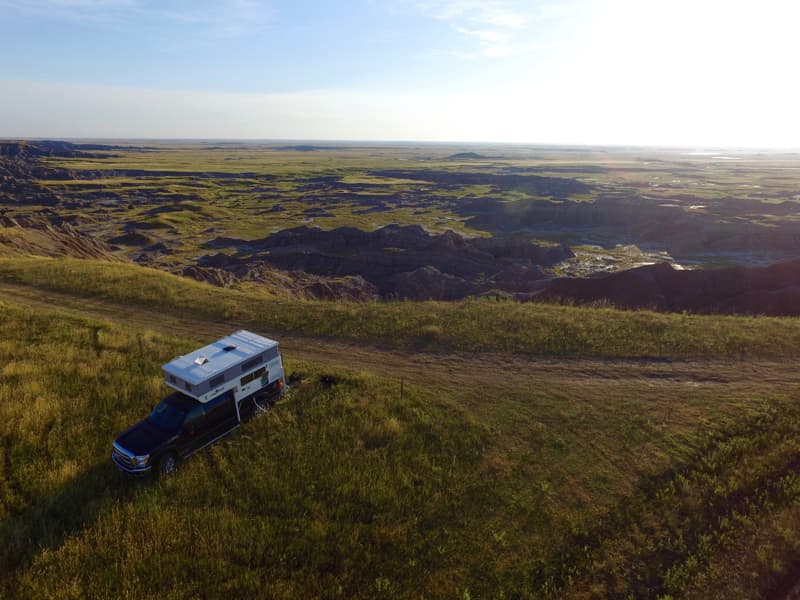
(435, 368)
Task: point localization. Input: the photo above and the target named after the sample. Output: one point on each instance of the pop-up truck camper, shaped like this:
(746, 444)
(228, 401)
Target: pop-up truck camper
(216, 387)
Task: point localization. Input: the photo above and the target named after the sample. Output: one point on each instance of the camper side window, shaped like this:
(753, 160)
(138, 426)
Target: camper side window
(217, 381)
(254, 375)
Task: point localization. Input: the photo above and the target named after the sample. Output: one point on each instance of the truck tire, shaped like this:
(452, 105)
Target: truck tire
(167, 465)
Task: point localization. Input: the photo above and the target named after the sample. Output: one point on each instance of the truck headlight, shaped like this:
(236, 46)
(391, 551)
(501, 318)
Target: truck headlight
(143, 461)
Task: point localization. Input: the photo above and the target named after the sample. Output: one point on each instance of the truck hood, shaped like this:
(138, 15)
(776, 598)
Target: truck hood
(143, 438)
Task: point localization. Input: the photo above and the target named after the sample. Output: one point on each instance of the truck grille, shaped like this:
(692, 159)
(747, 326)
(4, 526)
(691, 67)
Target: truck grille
(122, 457)
(126, 459)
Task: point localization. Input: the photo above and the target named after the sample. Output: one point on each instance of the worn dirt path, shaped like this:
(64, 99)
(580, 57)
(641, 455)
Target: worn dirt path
(496, 370)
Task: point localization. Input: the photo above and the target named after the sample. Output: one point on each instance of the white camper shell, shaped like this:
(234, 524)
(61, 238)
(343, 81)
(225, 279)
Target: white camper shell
(243, 363)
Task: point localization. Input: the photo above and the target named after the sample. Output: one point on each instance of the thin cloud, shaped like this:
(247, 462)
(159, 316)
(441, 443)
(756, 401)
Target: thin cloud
(68, 10)
(491, 26)
(44, 5)
(490, 12)
(227, 17)
(492, 43)
(485, 35)
(506, 20)
(230, 17)
(497, 51)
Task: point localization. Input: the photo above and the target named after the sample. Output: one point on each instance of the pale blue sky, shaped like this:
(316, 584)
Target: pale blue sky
(694, 72)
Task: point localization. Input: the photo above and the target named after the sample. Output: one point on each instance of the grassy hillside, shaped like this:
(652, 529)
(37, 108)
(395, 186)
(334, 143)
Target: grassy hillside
(294, 503)
(468, 326)
(593, 482)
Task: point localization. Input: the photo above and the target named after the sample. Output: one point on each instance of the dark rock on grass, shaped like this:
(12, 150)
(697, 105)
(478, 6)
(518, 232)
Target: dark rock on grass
(678, 226)
(40, 237)
(428, 283)
(353, 289)
(294, 284)
(466, 155)
(400, 261)
(44, 148)
(520, 248)
(29, 195)
(519, 278)
(214, 276)
(134, 238)
(18, 185)
(159, 247)
(220, 261)
(373, 209)
(772, 290)
(326, 179)
(131, 226)
(317, 212)
(228, 242)
(556, 187)
(51, 173)
(144, 173)
(328, 380)
(306, 148)
(158, 210)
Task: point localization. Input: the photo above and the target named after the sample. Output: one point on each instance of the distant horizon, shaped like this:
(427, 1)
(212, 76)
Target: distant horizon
(689, 148)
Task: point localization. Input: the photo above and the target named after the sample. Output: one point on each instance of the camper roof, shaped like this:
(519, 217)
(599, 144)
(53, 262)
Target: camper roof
(217, 357)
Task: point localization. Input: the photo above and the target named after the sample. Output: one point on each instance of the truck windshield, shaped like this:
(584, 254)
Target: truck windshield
(166, 416)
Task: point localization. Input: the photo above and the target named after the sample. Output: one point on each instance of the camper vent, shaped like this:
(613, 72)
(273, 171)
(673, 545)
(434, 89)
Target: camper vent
(229, 348)
(200, 360)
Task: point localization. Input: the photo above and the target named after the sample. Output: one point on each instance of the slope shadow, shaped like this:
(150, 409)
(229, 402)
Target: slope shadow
(50, 519)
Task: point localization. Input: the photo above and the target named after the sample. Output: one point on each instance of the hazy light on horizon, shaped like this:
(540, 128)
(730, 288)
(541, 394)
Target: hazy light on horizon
(617, 72)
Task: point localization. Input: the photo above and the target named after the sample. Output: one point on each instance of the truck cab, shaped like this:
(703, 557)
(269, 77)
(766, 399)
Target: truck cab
(216, 387)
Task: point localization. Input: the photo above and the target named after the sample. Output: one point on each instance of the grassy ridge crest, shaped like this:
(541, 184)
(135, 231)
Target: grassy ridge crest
(607, 487)
(466, 326)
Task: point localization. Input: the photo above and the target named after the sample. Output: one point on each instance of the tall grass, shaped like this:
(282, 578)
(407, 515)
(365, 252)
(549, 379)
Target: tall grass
(537, 485)
(467, 326)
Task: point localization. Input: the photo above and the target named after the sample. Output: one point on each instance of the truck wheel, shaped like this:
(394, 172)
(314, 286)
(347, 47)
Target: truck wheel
(167, 465)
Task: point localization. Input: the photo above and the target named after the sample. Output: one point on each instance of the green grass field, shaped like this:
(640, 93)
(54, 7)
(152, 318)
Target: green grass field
(472, 325)
(535, 452)
(250, 191)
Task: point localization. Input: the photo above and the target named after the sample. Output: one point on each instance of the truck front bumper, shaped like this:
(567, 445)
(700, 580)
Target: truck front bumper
(124, 464)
